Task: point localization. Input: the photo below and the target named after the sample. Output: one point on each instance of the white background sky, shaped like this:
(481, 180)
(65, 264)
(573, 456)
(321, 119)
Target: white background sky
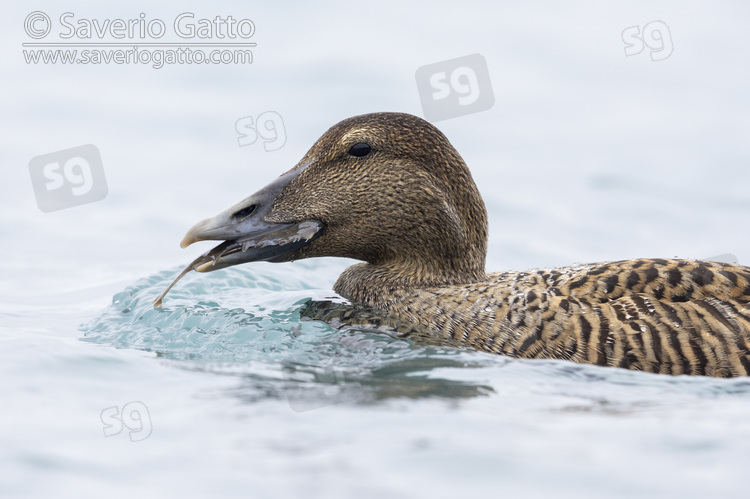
(587, 155)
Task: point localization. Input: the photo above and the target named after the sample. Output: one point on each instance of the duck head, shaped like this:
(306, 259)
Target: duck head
(385, 188)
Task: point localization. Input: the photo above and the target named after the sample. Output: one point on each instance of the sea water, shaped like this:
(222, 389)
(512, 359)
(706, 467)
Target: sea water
(226, 390)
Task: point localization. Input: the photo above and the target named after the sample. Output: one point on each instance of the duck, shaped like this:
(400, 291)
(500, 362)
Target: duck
(389, 189)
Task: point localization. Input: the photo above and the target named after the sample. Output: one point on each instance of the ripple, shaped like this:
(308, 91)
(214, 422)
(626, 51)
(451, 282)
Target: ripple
(245, 322)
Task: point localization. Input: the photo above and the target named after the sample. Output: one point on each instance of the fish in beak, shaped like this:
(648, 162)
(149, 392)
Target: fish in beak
(247, 236)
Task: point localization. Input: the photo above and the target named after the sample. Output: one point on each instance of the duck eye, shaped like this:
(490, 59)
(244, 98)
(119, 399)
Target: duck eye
(360, 149)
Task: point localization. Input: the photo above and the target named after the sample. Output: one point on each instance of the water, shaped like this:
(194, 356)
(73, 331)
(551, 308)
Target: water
(250, 397)
(586, 156)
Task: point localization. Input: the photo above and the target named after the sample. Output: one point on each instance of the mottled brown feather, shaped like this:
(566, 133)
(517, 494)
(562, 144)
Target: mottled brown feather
(536, 314)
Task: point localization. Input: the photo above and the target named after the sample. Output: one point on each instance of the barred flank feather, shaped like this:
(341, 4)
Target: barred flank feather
(654, 315)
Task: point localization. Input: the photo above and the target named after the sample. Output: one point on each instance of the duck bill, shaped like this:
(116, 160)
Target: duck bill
(247, 236)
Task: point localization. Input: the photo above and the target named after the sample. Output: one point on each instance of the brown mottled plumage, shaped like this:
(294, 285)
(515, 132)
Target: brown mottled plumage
(404, 202)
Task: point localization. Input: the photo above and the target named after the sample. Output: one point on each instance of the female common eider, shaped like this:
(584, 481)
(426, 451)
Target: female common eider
(390, 190)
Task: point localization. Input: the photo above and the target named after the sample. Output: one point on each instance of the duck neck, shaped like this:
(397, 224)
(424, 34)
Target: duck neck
(375, 284)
